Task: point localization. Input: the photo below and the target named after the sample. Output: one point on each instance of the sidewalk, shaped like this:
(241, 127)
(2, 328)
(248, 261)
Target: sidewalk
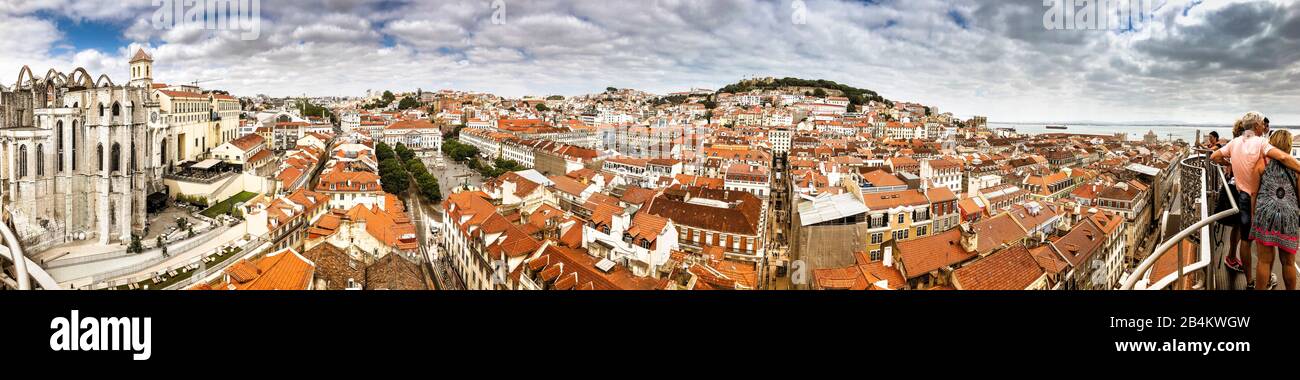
(228, 237)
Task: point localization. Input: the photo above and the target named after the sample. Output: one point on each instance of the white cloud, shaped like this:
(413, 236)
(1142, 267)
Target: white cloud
(1002, 63)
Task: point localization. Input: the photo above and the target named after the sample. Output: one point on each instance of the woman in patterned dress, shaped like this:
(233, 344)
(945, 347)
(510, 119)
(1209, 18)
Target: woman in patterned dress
(1277, 214)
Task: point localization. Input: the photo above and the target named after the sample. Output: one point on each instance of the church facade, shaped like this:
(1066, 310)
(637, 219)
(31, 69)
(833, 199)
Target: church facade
(79, 156)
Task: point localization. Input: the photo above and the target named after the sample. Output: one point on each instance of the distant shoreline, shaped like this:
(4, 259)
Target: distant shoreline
(1142, 124)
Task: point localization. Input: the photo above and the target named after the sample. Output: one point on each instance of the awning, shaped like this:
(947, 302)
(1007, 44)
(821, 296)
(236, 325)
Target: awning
(206, 164)
(1143, 169)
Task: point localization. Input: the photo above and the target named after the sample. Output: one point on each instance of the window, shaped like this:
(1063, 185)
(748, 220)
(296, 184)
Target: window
(74, 145)
(922, 231)
(900, 218)
(59, 145)
(40, 159)
(875, 255)
(876, 238)
(900, 235)
(117, 109)
(99, 150)
(117, 157)
(22, 161)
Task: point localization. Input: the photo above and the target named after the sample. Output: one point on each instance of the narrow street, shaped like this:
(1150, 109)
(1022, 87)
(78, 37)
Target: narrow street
(426, 217)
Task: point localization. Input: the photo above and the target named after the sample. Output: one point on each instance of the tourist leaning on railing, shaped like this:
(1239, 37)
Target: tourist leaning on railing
(1244, 154)
(1237, 239)
(1212, 141)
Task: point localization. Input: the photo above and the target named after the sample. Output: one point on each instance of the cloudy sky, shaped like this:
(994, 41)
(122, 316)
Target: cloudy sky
(1202, 62)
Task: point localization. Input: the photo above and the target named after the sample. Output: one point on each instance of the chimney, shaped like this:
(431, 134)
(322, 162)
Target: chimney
(969, 238)
(889, 257)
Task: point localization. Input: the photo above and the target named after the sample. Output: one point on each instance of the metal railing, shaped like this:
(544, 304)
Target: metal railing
(25, 269)
(1197, 196)
(16, 253)
(179, 246)
(153, 261)
(249, 249)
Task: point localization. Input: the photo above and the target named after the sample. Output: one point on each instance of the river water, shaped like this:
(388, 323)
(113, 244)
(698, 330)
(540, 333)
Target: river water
(1135, 132)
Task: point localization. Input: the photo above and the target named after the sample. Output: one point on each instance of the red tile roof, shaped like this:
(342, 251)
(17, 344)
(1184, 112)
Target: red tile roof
(740, 217)
(247, 142)
(412, 124)
(1010, 269)
(140, 55)
(568, 268)
(919, 257)
(391, 227)
(283, 270)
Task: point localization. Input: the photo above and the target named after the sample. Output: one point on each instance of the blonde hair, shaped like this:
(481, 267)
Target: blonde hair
(1281, 139)
(1238, 128)
(1252, 120)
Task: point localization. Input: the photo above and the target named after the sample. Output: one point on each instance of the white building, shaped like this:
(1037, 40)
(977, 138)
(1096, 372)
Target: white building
(642, 243)
(780, 139)
(751, 179)
(419, 135)
(942, 173)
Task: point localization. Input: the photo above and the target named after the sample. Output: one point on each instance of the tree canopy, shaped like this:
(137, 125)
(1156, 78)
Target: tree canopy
(857, 96)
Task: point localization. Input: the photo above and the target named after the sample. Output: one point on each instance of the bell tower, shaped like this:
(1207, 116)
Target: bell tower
(141, 70)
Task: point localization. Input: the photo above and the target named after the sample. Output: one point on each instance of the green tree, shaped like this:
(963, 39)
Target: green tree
(404, 153)
(383, 152)
(541, 107)
(136, 246)
(393, 177)
(429, 187)
(408, 103)
(161, 245)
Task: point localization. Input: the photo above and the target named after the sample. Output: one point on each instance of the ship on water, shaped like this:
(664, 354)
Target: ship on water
(1057, 127)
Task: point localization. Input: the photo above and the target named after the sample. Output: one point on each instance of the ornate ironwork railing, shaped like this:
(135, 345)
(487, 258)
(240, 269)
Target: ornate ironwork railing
(1201, 184)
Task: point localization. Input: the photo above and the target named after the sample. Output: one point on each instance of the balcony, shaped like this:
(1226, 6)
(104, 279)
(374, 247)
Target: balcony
(1192, 258)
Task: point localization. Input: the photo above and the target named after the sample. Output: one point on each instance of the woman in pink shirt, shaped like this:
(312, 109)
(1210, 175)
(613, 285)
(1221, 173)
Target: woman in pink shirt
(1243, 154)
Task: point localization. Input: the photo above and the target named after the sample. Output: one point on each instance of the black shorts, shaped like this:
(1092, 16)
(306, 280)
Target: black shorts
(1242, 220)
(1245, 219)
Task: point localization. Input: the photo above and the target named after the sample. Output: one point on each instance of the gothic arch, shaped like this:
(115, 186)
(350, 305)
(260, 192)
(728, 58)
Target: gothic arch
(83, 79)
(58, 146)
(40, 160)
(74, 145)
(103, 78)
(117, 157)
(22, 161)
(53, 75)
(30, 77)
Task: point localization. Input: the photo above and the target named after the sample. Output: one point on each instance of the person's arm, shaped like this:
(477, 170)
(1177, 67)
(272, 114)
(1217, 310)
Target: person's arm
(1220, 156)
(1284, 158)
